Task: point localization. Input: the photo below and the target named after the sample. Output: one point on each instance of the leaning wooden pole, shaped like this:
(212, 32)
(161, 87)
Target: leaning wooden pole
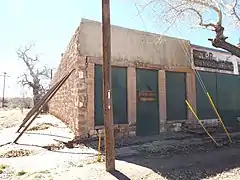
(48, 98)
(107, 88)
(39, 103)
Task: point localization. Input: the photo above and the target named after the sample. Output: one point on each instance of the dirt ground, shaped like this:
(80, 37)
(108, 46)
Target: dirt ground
(39, 155)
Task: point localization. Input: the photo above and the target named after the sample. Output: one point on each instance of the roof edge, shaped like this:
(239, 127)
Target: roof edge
(139, 31)
(211, 49)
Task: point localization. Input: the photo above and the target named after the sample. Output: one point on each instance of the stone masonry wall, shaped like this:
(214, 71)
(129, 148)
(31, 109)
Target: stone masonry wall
(69, 103)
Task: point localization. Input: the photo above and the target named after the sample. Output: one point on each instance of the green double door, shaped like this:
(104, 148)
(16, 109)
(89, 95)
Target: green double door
(147, 122)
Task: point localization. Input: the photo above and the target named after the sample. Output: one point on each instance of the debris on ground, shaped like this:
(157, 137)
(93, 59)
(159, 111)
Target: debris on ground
(16, 153)
(54, 147)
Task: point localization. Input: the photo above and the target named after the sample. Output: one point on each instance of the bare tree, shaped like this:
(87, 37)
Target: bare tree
(33, 76)
(171, 11)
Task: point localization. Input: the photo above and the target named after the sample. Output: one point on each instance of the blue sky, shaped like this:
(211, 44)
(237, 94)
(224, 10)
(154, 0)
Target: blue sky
(49, 24)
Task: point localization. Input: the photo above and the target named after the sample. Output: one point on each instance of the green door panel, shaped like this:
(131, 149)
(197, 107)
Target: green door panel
(119, 95)
(98, 96)
(147, 122)
(204, 108)
(176, 96)
(237, 96)
(227, 104)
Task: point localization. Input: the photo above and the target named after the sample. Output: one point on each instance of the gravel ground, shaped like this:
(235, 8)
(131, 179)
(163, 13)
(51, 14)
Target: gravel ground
(189, 159)
(221, 163)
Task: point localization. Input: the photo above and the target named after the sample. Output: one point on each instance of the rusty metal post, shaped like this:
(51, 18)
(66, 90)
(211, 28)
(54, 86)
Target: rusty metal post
(107, 88)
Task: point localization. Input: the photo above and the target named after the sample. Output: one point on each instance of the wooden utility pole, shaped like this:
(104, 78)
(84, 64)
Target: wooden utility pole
(3, 93)
(107, 87)
(51, 74)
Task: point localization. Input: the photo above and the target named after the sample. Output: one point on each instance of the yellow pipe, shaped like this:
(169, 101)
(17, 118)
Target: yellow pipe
(219, 117)
(99, 147)
(190, 107)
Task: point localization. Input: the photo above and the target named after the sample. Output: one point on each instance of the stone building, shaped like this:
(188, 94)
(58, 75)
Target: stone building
(152, 76)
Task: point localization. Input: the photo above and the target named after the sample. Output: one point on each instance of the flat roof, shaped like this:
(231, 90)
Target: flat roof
(210, 49)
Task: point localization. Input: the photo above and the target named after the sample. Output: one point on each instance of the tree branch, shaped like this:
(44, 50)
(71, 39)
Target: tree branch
(44, 72)
(201, 18)
(24, 81)
(215, 8)
(29, 62)
(235, 11)
(218, 43)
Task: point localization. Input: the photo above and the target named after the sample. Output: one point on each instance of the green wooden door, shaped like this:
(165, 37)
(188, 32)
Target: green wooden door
(226, 98)
(176, 96)
(119, 95)
(204, 108)
(147, 122)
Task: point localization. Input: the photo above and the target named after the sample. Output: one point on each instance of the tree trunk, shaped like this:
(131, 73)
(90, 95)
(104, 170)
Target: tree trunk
(36, 95)
(219, 43)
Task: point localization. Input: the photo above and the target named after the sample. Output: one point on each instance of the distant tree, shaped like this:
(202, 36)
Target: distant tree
(34, 76)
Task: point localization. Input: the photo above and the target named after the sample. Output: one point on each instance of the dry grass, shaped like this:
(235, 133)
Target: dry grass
(42, 126)
(21, 173)
(16, 153)
(3, 167)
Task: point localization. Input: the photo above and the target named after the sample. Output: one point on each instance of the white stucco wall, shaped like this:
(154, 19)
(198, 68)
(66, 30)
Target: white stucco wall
(133, 45)
(220, 55)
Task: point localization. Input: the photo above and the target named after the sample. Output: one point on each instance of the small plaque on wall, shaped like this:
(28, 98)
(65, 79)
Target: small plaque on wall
(147, 96)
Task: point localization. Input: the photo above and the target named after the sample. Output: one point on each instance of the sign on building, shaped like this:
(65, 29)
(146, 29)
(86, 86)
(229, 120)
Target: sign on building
(208, 60)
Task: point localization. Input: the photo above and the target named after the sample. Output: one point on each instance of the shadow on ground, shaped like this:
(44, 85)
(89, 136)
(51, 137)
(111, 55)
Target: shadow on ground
(195, 164)
(47, 134)
(119, 175)
(56, 148)
(191, 166)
